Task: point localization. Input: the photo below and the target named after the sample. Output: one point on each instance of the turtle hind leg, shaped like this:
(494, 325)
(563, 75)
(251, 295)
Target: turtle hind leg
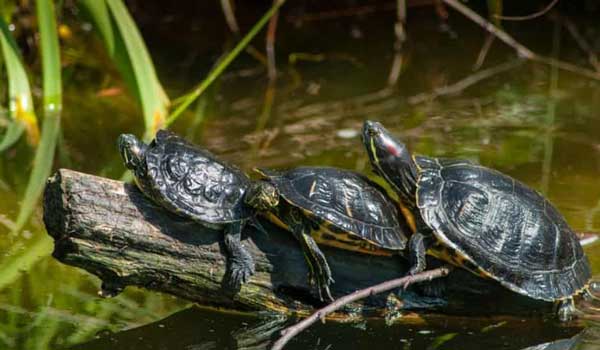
(567, 310)
(241, 263)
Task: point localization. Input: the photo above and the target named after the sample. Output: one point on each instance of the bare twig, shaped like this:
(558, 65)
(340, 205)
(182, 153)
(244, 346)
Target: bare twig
(464, 83)
(499, 33)
(569, 67)
(290, 332)
(270, 46)
(400, 34)
(340, 13)
(531, 16)
(230, 16)
(581, 42)
(520, 48)
(485, 48)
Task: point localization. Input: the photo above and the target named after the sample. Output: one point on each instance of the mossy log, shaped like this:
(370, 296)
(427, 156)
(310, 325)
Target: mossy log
(113, 231)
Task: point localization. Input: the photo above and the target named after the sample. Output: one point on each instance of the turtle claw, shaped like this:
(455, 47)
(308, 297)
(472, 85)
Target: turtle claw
(321, 282)
(241, 269)
(324, 290)
(240, 274)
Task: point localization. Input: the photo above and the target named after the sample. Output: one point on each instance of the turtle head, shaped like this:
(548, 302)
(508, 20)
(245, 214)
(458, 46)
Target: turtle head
(386, 153)
(132, 151)
(262, 195)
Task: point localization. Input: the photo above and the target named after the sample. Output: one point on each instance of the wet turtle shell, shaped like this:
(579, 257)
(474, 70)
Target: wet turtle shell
(192, 181)
(505, 228)
(349, 204)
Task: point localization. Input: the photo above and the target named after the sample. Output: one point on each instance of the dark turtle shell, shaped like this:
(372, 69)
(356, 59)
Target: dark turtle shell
(349, 201)
(501, 225)
(193, 182)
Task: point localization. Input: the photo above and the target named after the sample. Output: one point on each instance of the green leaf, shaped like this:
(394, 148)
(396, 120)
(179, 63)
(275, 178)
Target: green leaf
(11, 136)
(52, 85)
(51, 69)
(153, 99)
(20, 109)
(98, 12)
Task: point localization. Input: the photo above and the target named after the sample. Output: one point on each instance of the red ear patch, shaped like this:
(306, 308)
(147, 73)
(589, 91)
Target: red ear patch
(392, 149)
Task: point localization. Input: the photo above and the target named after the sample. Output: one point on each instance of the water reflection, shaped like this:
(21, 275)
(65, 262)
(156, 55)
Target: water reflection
(196, 328)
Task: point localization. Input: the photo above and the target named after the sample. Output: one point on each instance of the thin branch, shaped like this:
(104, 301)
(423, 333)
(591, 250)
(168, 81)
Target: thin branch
(566, 66)
(464, 83)
(485, 48)
(581, 42)
(499, 33)
(230, 16)
(290, 332)
(400, 34)
(531, 16)
(270, 46)
(520, 48)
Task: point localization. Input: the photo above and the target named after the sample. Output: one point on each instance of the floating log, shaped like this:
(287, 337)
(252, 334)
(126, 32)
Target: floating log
(113, 231)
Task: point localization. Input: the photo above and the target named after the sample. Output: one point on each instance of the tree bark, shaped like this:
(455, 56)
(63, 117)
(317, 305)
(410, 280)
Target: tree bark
(113, 231)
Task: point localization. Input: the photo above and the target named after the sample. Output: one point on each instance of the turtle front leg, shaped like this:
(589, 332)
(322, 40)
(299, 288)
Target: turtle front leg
(241, 263)
(417, 251)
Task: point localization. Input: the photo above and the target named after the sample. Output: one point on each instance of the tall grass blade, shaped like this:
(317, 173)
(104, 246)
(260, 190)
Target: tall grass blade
(226, 61)
(11, 136)
(152, 97)
(21, 110)
(98, 12)
(52, 86)
(23, 260)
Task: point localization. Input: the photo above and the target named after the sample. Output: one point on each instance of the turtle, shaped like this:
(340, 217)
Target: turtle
(192, 182)
(484, 221)
(334, 207)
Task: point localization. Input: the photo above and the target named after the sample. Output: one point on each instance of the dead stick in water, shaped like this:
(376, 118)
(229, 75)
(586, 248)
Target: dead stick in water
(290, 332)
(520, 48)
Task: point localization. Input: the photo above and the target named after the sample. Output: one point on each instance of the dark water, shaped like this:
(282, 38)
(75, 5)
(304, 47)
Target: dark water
(533, 122)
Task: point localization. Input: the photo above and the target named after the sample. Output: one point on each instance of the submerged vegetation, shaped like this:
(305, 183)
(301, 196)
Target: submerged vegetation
(73, 75)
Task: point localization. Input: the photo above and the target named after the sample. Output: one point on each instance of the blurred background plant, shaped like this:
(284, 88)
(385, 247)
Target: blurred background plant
(73, 75)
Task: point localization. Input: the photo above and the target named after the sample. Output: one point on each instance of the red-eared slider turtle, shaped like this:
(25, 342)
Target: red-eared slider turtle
(483, 220)
(337, 208)
(192, 182)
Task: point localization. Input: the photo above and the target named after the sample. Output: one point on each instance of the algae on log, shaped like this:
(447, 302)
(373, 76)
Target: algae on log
(113, 231)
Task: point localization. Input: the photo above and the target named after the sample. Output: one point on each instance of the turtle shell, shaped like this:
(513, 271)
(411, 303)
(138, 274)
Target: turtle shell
(193, 182)
(349, 202)
(501, 225)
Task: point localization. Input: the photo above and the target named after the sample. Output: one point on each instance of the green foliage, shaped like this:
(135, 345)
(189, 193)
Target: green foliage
(44, 319)
(21, 110)
(52, 87)
(125, 45)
